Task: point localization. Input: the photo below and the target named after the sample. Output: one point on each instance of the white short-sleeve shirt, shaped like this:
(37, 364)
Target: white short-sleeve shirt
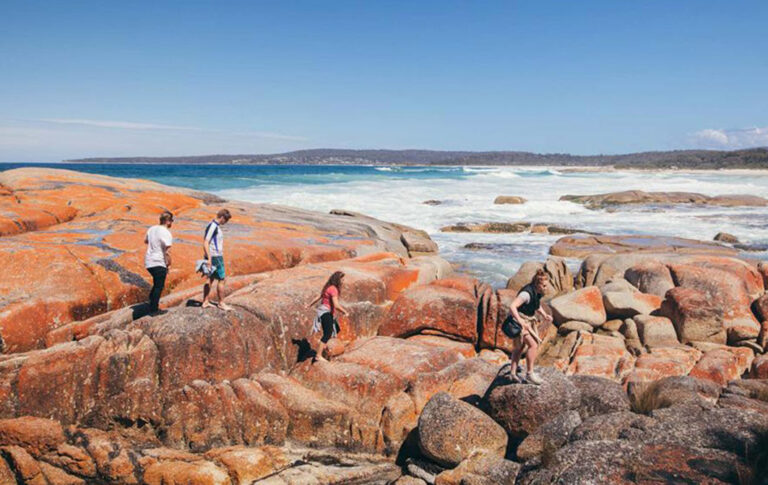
(215, 237)
(158, 239)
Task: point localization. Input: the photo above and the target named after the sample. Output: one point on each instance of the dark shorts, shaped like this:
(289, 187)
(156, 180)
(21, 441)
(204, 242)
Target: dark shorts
(219, 274)
(329, 326)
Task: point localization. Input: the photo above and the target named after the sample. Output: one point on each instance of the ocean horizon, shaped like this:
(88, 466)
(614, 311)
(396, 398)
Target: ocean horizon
(466, 195)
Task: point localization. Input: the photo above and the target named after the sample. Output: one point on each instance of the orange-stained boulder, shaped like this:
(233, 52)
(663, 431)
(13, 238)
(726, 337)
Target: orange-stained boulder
(246, 465)
(584, 305)
(723, 365)
(602, 356)
(202, 415)
(313, 419)
(198, 473)
(695, 316)
(36, 435)
(663, 362)
(625, 304)
(728, 291)
(434, 308)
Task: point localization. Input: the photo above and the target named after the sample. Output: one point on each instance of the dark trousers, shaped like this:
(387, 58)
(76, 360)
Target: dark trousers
(158, 283)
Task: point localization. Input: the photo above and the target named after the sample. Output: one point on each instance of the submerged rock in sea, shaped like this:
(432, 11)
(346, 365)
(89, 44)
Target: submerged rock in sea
(510, 199)
(612, 199)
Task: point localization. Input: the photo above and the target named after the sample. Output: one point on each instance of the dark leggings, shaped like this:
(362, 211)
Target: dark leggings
(158, 282)
(326, 320)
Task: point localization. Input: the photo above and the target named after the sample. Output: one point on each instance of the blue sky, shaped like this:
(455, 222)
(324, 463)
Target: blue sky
(109, 78)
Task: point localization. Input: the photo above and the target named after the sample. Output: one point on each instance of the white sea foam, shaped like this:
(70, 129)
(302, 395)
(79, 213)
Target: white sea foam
(468, 193)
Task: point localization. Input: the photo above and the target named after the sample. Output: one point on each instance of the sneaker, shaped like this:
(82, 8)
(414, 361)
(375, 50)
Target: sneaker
(157, 313)
(533, 378)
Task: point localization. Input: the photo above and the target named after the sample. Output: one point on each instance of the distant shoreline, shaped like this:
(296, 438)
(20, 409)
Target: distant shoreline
(559, 168)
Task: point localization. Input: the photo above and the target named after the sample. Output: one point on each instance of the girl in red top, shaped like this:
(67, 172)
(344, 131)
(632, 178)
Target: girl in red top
(329, 303)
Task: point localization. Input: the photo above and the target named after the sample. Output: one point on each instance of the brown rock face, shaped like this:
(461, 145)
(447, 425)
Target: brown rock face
(695, 316)
(450, 431)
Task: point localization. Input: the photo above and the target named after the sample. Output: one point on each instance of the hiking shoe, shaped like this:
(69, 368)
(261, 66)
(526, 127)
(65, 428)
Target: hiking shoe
(533, 378)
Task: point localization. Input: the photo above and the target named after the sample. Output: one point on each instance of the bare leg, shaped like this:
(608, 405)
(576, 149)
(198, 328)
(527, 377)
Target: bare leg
(533, 350)
(320, 350)
(514, 360)
(221, 288)
(207, 293)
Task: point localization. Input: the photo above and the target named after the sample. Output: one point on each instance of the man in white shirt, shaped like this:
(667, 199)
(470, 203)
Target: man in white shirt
(158, 258)
(213, 249)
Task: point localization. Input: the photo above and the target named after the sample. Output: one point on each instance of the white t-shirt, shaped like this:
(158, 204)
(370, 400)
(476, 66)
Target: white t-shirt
(525, 296)
(215, 236)
(158, 239)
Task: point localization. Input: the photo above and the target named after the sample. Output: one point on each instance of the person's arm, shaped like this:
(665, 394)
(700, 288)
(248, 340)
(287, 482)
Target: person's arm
(547, 315)
(336, 305)
(167, 255)
(314, 302)
(519, 301)
(206, 244)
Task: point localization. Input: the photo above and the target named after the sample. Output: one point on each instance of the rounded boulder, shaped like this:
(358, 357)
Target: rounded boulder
(451, 430)
(522, 408)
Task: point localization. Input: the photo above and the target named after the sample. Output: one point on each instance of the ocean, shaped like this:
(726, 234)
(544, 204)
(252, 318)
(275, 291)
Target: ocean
(466, 193)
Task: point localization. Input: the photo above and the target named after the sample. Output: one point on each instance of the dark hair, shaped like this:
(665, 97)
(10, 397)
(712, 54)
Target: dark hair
(166, 217)
(334, 280)
(224, 214)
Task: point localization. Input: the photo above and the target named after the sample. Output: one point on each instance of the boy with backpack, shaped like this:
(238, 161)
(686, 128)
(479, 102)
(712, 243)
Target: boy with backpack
(213, 249)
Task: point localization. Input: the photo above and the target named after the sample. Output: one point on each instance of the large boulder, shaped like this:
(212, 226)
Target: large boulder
(695, 316)
(522, 408)
(656, 331)
(450, 431)
(660, 362)
(550, 436)
(434, 308)
(560, 277)
(601, 355)
(625, 304)
(721, 366)
(623, 461)
(584, 305)
(599, 395)
(650, 277)
(728, 290)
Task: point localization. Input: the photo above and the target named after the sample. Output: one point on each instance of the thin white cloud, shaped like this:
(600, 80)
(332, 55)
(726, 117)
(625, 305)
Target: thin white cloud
(732, 139)
(130, 125)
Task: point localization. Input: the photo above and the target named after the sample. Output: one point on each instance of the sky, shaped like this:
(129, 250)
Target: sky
(165, 78)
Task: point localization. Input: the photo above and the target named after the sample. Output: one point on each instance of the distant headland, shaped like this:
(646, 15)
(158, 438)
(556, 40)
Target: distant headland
(755, 158)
